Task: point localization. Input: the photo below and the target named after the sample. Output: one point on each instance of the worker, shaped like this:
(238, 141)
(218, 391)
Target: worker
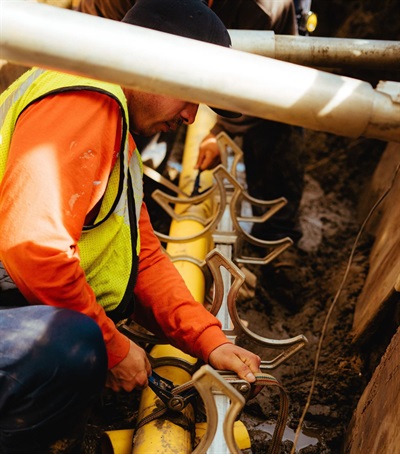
(272, 150)
(78, 253)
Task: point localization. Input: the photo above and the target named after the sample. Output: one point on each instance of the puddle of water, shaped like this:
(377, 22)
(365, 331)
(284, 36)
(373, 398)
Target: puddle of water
(303, 441)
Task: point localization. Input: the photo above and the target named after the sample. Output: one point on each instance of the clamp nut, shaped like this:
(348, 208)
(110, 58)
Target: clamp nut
(176, 403)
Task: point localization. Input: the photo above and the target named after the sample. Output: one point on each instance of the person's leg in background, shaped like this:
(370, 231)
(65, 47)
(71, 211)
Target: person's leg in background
(53, 366)
(275, 168)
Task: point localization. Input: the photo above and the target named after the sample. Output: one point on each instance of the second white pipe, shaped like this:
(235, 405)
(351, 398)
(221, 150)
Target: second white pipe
(148, 60)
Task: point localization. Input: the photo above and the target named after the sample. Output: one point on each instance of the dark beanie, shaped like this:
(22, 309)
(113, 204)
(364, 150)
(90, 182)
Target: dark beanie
(188, 18)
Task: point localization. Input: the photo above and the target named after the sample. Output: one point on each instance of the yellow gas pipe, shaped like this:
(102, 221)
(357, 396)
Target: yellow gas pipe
(162, 436)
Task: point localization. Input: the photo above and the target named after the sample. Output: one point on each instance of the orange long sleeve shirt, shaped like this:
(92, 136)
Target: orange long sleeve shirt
(62, 152)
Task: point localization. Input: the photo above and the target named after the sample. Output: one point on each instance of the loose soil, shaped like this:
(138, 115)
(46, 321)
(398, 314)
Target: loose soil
(295, 300)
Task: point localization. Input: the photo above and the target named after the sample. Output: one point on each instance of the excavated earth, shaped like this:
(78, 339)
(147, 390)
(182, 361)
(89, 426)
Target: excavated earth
(296, 299)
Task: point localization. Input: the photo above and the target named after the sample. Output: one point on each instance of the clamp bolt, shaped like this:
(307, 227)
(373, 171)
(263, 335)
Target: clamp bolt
(244, 389)
(176, 403)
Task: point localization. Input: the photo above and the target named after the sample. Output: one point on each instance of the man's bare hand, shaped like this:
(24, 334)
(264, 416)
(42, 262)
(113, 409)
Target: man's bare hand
(237, 359)
(209, 153)
(131, 372)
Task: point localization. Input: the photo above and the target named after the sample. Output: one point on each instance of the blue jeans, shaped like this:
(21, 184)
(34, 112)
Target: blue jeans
(53, 366)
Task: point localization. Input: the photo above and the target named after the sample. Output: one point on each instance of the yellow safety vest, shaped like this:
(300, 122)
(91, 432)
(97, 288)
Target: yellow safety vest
(109, 248)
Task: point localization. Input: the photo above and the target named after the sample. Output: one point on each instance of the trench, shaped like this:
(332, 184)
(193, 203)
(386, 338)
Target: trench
(337, 169)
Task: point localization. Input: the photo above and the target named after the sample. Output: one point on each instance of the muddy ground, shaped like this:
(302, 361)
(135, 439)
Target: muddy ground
(297, 300)
(338, 170)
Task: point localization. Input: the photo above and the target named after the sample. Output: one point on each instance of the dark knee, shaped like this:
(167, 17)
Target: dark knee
(75, 342)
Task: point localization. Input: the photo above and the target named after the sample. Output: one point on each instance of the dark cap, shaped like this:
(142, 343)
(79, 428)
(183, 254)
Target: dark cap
(188, 18)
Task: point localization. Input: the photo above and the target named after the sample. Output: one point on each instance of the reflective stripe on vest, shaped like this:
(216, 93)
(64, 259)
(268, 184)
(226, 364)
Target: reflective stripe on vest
(108, 249)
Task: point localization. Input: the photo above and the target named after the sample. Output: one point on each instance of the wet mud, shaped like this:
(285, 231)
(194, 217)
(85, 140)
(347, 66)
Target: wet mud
(301, 297)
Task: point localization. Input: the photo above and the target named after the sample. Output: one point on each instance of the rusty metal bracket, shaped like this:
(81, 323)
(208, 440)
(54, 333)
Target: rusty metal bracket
(237, 195)
(185, 202)
(226, 191)
(215, 260)
(207, 381)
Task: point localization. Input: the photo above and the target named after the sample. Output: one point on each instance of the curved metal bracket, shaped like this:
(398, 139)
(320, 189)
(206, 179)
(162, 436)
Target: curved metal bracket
(272, 206)
(238, 196)
(206, 380)
(220, 174)
(165, 200)
(225, 142)
(214, 261)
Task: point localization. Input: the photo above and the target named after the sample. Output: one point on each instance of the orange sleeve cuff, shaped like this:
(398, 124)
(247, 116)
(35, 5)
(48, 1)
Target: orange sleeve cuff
(117, 348)
(208, 341)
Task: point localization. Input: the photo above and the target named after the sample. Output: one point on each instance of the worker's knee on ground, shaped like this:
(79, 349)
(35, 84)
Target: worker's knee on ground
(75, 345)
(58, 348)
(58, 370)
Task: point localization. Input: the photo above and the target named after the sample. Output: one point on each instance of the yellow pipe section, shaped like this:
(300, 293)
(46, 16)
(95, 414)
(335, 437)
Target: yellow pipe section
(121, 440)
(241, 434)
(197, 249)
(161, 435)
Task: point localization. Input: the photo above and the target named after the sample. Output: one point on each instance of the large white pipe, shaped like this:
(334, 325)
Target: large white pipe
(38, 34)
(320, 51)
